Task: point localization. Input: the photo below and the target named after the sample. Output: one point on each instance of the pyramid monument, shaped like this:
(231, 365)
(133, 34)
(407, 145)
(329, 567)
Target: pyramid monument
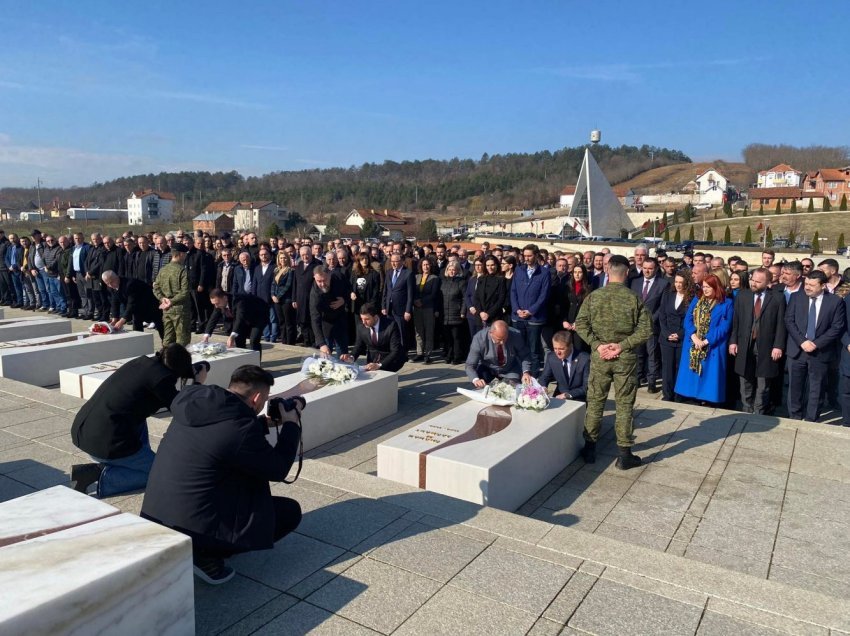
(596, 210)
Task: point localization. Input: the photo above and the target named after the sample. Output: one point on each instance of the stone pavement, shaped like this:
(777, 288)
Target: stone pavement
(736, 525)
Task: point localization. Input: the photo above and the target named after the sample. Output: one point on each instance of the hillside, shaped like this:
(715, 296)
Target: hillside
(673, 178)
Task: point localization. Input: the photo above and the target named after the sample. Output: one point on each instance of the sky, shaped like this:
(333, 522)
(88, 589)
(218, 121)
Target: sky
(94, 90)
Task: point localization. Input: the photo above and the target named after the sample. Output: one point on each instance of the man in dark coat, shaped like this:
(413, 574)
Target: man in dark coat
(302, 284)
(211, 476)
(814, 321)
(398, 295)
(844, 368)
(140, 305)
(248, 314)
(758, 340)
(377, 337)
(92, 283)
(327, 312)
(567, 368)
(111, 426)
(649, 287)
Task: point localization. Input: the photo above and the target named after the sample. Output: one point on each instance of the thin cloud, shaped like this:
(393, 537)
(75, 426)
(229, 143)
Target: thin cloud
(261, 147)
(633, 73)
(203, 98)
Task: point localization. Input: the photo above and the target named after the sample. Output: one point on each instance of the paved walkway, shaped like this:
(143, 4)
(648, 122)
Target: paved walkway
(737, 524)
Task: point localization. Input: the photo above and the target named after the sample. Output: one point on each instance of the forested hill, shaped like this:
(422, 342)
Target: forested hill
(497, 181)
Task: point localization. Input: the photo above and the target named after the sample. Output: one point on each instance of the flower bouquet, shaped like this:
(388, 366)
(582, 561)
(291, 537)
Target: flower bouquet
(497, 393)
(329, 370)
(208, 349)
(532, 397)
(102, 328)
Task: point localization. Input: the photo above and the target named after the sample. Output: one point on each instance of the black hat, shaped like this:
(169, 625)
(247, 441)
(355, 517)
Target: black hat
(224, 236)
(179, 247)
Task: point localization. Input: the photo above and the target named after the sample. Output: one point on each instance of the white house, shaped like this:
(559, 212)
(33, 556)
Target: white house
(711, 187)
(781, 176)
(568, 194)
(258, 216)
(149, 206)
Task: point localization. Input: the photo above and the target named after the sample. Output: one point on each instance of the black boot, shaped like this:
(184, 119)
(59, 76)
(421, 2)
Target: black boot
(84, 475)
(626, 460)
(588, 453)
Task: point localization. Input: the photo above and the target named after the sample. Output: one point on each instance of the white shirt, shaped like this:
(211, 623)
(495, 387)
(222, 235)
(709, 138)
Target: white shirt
(679, 299)
(818, 302)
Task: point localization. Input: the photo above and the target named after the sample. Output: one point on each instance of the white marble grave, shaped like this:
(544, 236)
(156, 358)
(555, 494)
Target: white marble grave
(38, 360)
(503, 469)
(83, 381)
(2, 313)
(21, 328)
(333, 411)
(70, 564)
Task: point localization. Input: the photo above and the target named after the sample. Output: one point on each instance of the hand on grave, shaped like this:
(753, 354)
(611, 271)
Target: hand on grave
(231, 342)
(325, 350)
(478, 383)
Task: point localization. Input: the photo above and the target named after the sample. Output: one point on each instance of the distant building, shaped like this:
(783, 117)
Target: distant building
(150, 206)
(596, 209)
(828, 183)
(568, 194)
(767, 198)
(711, 187)
(213, 223)
(391, 222)
(258, 216)
(781, 176)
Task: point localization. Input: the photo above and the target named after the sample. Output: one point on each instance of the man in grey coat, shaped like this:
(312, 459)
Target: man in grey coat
(498, 352)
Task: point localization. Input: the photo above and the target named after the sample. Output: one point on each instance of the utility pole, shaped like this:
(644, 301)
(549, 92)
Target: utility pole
(38, 194)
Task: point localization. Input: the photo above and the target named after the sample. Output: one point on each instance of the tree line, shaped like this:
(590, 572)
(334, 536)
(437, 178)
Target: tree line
(805, 159)
(501, 181)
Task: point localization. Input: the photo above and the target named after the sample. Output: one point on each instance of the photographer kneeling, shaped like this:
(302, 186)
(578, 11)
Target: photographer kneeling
(211, 476)
(112, 426)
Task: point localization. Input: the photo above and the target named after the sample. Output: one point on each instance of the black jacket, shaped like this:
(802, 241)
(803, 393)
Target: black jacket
(388, 350)
(247, 312)
(453, 293)
(113, 261)
(213, 467)
(109, 425)
(138, 300)
(753, 359)
(490, 297)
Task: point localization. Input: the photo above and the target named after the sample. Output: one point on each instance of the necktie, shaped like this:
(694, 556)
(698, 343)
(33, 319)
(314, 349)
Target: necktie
(645, 289)
(813, 320)
(500, 355)
(567, 370)
(395, 276)
(756, 316)
(374, 336)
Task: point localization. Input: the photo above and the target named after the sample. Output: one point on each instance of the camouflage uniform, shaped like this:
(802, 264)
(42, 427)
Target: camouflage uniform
(612, 314)
(172, 282)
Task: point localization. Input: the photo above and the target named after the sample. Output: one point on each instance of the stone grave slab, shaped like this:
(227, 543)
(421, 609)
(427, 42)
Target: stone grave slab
(333, 411)
(38, 360)
(22, 328)
(83, 381)
(72, 564)
(492, 455)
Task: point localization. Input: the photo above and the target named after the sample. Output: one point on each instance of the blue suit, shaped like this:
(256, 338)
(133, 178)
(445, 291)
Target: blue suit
(710, 385)
(239, 277)
(576, 385)
(531, 294)
(398, 299)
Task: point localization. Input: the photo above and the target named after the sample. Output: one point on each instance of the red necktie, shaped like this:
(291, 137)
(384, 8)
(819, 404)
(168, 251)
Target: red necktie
(756, 316)
(374, 336)
(645, 290)
(500, 355)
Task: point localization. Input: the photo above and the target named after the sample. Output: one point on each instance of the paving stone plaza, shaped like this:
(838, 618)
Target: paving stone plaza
(736, 524)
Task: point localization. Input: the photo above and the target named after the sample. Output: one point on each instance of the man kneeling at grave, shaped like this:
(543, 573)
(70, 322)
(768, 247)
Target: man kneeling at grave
(211, 476)
(112, 426)
(498, 352)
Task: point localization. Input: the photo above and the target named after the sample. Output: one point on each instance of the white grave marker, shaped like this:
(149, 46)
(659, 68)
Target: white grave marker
(21, 328)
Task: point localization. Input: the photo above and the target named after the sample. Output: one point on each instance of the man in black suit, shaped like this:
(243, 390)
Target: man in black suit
(248, 314)
(815, 321)
(327, 312)
(568, 369)
(140, 305)
(757, 340)
(301, 286)
(398, 295)
(844, 368)
(378, 337)
(650, 287)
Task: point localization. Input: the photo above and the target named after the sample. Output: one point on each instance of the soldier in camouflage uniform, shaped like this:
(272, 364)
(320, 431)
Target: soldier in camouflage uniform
(614, 322)
(171, 288)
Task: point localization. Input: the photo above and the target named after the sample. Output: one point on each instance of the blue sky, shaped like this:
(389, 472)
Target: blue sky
(91, 90)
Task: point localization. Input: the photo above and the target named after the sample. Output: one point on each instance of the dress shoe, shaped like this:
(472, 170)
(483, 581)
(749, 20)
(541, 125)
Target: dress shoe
(626, 460)
(418, 358)
(84, 475)
(588, 453)
(652, 389)
(427, 359)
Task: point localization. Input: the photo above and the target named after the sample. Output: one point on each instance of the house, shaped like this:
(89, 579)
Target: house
(391, 222)
(711, 187)
(781, 176)
(626, 195)
(767, 198)
(213, 223)
(258, 216)
(228, 207)
(567, 196)
(150, 206)
(828, 183)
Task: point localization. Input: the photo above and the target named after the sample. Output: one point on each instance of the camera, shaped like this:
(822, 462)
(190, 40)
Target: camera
(203, 365)
(288, 404)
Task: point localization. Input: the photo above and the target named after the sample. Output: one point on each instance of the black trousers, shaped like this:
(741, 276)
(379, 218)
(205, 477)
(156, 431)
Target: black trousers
(454, 342)
(844, 396)
(287, 516)
(802, 371)
(252, 335)
(424, 322)
(670, 356)
(139, 321)
(286, 319)
(649, 360)
(7, 294)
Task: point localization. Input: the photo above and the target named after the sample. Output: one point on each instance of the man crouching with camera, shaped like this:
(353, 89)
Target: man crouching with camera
(210, 478)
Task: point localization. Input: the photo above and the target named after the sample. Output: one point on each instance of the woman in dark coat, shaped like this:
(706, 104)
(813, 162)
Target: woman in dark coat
(490, 293)
(281, 293)
(426, 296)
(453, 291)
(509, 265)
(671, 321)
(472, 318)
(578, 289)
(112, 426)
(365, 284)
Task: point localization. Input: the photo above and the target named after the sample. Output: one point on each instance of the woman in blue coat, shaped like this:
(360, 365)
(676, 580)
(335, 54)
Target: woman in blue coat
(702, 369)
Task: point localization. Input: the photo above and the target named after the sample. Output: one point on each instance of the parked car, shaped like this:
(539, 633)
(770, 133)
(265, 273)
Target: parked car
(552, 237)
(702, 206)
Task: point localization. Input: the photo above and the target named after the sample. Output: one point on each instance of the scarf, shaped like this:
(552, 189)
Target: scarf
(702, 321)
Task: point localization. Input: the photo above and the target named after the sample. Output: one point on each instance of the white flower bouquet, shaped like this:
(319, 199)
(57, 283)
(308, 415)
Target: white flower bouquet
(329, 370)
(208, 349)
(497, 393)
(532, 397)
